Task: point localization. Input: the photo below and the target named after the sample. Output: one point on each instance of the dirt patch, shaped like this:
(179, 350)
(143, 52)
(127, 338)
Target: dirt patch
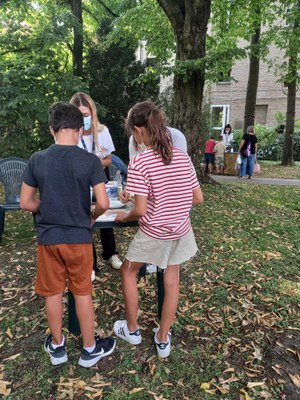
(282, 362)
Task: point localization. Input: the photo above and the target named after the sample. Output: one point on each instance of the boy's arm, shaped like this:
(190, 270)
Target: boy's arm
(28, 201)
(102, 202)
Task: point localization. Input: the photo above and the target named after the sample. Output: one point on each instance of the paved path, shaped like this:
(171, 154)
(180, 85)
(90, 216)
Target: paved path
(256, 180)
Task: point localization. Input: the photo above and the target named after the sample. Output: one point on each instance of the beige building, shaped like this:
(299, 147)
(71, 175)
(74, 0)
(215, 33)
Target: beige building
(227, 99)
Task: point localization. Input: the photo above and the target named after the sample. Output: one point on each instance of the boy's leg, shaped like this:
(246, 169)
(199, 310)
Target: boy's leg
(171, 296)
(54, 314)
(129, 271)
(85, 314)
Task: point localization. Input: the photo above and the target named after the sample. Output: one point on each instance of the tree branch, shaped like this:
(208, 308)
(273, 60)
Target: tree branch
(175, 11)
(108, 9)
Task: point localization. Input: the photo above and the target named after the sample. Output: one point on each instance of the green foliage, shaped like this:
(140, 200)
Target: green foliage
(270, 141)
(35, 71)
(115, 82)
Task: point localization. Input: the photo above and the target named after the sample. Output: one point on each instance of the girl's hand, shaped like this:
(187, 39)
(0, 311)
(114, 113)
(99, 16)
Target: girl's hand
(120, 216)
(124, 197)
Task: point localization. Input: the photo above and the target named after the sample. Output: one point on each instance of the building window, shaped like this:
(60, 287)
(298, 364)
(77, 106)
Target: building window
(219, 117)
(261, 113)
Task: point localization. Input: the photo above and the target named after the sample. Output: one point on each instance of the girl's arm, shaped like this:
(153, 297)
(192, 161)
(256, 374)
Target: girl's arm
(138, 211)
(28, 201)
(197, 196)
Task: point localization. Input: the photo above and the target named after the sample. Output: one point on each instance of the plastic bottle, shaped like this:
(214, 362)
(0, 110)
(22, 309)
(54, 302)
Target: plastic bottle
(118, 178)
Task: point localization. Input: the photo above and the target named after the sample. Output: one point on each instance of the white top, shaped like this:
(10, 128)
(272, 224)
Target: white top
(105, 144)
(178, 140)
(227, 138)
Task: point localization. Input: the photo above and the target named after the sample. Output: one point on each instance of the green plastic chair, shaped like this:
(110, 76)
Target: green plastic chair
(11, 171)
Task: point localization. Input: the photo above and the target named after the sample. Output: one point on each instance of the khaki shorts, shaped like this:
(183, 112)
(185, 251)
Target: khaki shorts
(56, 262)
(219, 161)
(161, 252)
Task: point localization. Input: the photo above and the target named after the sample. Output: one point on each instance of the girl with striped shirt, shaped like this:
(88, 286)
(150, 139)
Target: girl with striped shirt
(165, 187)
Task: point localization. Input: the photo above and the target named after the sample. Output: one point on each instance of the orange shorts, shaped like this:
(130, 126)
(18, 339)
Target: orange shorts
(57, 262)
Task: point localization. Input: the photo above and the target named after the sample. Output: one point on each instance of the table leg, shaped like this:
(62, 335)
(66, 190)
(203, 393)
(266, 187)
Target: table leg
(74, 326)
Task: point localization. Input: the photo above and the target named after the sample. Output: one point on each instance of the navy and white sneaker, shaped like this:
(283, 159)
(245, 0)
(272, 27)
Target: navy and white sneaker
(121, 330)
(104, 347)
(57, 356)
(163, 348)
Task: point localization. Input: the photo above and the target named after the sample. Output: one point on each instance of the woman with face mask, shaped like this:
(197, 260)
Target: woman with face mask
(97, 139)
(227, 136)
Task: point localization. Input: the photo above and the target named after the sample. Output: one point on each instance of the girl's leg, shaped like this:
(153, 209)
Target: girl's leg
(129, 271)
(85, 314)
(54, 314)
(171, 288)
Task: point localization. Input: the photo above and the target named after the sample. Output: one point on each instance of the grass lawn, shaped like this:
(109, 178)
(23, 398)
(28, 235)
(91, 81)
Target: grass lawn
(237, 332)
(273, 169)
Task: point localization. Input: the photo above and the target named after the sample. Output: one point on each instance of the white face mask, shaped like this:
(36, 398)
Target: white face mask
(226, 131)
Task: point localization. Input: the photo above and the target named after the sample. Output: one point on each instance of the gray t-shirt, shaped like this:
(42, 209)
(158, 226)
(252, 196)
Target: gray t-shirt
(63, 176)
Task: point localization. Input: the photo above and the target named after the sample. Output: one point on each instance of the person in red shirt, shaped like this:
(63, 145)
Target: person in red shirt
(209, 154)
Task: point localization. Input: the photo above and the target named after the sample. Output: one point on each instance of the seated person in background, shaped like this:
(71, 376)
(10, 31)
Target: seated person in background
(209, 155)
(219, 151)
(227, 136)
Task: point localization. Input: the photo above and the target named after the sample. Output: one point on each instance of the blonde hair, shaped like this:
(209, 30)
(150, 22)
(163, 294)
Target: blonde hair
(81, 99)
(146, 114)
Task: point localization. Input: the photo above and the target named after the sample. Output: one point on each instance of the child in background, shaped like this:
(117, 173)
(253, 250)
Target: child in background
(63, 175)
(219, 151)
(209, 155)
(165, 187)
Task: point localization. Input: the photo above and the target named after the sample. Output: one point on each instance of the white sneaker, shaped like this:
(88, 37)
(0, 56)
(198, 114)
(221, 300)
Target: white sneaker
(93, 276)
(163, 348)
(121, 330)
(115, 262)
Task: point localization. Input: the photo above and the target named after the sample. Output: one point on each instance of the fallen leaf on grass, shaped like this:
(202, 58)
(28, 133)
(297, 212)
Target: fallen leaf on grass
(136, 390)
(204, 386)
(251, 385)
(244, 395)
(4, 389)
(295, 379)
(9, 334)
(12, 357)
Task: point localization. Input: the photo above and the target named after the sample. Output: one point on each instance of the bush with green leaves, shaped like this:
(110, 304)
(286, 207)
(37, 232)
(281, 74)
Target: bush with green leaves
(270, 142)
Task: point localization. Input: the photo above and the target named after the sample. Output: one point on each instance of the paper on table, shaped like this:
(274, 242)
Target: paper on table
(107, 217)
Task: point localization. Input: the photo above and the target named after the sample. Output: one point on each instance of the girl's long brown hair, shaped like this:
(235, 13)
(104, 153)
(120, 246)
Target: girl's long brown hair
(146, 114)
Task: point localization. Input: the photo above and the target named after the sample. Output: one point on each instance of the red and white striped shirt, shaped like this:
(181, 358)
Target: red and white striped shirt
(169, 192)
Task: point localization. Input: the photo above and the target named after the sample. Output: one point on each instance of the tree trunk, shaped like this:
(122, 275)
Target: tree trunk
(287, 154)
(189, 19)
(78, 37)
(253, 76)
(288, 146)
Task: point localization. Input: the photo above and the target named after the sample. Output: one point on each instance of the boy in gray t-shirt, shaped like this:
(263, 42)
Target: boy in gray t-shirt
(63, 175)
